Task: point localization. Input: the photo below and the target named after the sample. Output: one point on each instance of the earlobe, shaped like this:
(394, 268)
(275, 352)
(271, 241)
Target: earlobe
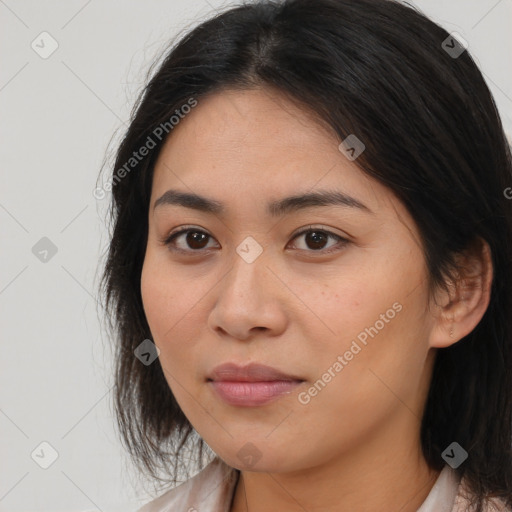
(458, 309)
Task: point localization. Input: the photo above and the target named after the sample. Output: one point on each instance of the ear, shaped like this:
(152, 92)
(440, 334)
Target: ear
(458, 311)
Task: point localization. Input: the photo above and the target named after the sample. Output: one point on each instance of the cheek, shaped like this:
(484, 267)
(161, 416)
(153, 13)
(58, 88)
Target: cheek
(349, 401)
(375, 322)
(156, 298)
(372, 300)
(170, 309)
(169, 305)
(342, 304)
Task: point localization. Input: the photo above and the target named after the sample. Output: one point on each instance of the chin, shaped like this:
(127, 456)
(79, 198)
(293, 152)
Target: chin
(251, 458)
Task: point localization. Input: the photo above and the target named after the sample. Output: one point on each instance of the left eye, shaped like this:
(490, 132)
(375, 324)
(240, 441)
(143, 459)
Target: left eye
(316, 239)
(196, 240)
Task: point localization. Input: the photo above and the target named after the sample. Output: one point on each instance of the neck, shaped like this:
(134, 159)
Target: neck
(369, 478)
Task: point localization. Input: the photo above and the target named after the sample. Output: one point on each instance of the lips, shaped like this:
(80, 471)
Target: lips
(252, 385)
(253, 372)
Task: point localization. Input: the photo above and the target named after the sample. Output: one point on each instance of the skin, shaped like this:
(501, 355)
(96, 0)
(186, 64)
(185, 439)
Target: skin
(356, 444)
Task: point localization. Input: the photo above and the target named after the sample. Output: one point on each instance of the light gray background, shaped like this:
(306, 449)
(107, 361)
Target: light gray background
(58, 115)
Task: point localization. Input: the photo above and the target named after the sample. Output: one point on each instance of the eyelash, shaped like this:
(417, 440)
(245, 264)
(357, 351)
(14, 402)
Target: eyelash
(167, 240)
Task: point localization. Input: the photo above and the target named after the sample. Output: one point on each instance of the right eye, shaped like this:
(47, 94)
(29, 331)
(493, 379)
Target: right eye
(195, 240)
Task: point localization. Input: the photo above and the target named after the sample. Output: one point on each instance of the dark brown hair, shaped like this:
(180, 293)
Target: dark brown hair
(383, 71)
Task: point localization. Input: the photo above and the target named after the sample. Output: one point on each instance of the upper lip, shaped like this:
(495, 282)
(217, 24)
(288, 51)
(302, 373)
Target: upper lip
(252, 372)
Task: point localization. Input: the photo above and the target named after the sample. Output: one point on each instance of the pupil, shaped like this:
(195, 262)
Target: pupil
(315, 236)
(193, 237)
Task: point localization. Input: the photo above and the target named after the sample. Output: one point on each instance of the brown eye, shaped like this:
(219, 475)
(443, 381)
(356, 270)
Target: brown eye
(316, 240)
(192, 240)
(188, 240)
(196, 239)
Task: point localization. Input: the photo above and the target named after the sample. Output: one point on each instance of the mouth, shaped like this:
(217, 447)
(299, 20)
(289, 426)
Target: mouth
(251, 385)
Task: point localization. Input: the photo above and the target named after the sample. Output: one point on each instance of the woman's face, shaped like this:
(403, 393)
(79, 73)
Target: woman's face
(347, 317)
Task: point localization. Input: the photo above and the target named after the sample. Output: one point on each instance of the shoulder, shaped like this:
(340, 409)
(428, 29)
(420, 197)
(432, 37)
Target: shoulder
(210, 490)
(463, 501)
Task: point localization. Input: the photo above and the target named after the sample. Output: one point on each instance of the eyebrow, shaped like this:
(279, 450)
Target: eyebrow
(274, 208)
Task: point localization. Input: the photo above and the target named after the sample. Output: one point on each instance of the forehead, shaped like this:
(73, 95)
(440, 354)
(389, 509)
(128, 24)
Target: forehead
(238, 145)
(246, 122)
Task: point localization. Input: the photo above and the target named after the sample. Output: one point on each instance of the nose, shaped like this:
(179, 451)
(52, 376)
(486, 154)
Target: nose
(250, 299)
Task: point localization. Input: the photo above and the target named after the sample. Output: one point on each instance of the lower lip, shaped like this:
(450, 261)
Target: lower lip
(250, 394)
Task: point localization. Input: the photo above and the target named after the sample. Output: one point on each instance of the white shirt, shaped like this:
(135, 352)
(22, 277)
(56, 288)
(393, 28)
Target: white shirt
(212, 489)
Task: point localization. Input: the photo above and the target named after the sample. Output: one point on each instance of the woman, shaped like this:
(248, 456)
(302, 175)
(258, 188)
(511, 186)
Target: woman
(309, 271)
